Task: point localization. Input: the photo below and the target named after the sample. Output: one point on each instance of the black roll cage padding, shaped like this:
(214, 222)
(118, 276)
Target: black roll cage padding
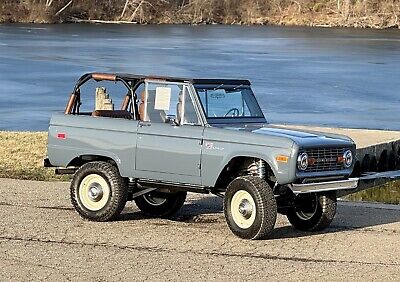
(86, 77)
(77, 103)
(135, 101)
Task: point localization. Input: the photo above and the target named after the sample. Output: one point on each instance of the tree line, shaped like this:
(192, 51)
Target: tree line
(354, 13)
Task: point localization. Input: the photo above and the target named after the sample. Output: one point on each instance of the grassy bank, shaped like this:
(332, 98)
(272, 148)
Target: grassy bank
(22, 153)
(343, 13)
(388, 193)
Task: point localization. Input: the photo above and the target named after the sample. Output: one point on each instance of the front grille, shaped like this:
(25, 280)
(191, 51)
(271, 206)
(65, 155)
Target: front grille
(325, 159)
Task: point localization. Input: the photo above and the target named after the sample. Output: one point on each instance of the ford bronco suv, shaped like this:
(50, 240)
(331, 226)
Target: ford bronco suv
(170, 136)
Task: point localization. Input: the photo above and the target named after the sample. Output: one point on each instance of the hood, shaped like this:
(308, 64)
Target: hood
(300, 137)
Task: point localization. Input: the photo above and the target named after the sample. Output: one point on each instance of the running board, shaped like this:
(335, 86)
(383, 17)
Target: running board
(172, 186)
(141, 192)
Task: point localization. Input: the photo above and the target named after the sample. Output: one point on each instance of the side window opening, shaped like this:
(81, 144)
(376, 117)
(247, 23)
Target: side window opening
(189, 112)
(168, 102)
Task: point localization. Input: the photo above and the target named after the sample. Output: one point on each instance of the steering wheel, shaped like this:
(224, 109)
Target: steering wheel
(235, 112)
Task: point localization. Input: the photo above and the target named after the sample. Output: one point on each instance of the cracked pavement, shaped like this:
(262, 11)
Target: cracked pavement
(42, 237)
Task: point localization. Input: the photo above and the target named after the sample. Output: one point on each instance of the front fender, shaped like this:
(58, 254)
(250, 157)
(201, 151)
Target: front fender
(216, 157)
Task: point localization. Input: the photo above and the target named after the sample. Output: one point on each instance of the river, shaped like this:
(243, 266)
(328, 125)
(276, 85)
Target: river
(319, 76)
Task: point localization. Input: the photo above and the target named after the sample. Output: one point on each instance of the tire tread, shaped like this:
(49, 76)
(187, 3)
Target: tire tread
(264, 198)
(166, 210)
(118, 186)
(321, 220)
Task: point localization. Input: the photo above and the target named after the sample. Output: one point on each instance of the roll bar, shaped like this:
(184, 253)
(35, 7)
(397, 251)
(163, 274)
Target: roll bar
(74, 99)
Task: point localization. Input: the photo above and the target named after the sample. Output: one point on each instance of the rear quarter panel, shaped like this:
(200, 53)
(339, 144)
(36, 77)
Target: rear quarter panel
(86, 135)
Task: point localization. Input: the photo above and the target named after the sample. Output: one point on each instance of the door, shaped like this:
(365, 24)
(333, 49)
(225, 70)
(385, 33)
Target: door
(169, 134)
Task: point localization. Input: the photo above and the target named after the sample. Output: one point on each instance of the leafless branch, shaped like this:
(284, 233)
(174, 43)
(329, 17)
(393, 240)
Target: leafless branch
(48, 3)
(65, 7)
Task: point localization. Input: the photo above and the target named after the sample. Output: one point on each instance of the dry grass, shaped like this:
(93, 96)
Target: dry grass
(388, 193)
(22, 155)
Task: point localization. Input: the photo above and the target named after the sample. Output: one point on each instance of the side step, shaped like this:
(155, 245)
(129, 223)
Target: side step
(147, 183)
(68, 170)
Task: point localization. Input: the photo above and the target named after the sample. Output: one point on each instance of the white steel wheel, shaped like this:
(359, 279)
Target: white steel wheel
(94, 192)
(243, 209)
(250, 207)
(98, 192)
(153, 199)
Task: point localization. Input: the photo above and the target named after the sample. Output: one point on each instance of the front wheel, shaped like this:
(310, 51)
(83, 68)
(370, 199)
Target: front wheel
(313, 212)
(250, 207)
(158, 204)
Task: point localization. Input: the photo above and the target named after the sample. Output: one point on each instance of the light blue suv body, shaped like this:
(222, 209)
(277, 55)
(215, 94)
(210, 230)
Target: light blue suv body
(226, 133)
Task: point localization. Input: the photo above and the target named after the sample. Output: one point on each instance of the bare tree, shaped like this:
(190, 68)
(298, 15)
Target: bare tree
(48, 3)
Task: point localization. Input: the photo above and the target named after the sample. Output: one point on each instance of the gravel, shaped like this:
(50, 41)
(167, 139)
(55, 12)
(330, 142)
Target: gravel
(42, 237)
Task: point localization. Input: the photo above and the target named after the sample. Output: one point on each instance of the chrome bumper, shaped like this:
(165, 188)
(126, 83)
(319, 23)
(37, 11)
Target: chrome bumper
(350, 183)
(347, 186)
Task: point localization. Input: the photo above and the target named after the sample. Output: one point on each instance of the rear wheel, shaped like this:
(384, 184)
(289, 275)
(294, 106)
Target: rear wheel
(98, 192)
(250, 208)
(313, 212)
(158, 204)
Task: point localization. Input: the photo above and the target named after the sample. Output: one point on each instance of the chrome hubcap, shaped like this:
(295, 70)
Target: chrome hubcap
(245, 209)
(95, 192)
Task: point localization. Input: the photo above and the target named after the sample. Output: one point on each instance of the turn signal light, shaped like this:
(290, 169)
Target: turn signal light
(282, 159)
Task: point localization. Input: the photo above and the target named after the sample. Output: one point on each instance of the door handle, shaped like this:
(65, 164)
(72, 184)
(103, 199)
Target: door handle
(141, 124)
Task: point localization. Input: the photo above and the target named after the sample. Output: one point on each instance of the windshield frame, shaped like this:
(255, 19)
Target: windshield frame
(229, 119)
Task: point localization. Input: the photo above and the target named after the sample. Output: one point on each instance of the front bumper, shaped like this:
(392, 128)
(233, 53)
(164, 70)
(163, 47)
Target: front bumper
(347, 186)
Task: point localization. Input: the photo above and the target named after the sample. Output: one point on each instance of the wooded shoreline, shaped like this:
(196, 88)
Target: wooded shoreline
(321, 13)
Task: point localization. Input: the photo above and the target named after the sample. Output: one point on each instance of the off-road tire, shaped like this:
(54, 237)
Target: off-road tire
(261, 199)
(173, 202)
(321, 218)
(117, 186)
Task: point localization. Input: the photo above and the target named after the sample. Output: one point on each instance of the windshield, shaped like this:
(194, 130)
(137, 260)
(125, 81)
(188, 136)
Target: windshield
(228, 101)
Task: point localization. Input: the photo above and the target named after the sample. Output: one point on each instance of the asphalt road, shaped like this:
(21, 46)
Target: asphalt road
(42, 237)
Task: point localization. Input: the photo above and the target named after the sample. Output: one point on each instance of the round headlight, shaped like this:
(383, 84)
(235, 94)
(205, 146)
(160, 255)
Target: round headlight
(347, 158)
(302, 161)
